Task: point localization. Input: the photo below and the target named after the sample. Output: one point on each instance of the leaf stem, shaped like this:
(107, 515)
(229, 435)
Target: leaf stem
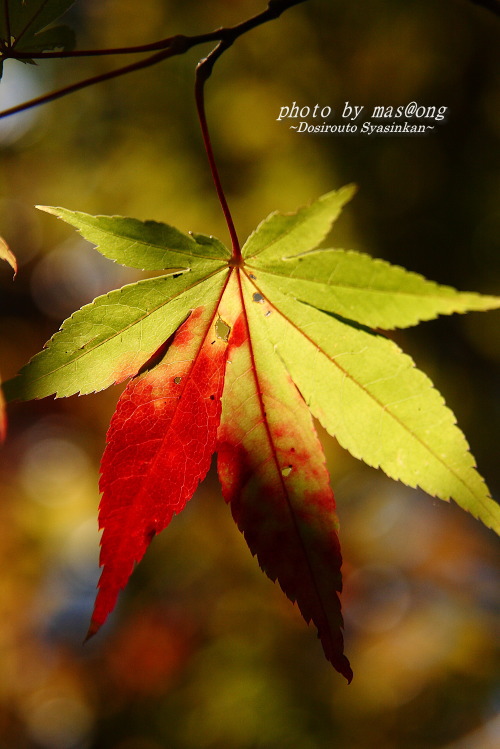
(203, 73)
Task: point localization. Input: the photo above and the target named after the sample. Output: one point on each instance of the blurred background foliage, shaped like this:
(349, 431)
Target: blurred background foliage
(203, 651)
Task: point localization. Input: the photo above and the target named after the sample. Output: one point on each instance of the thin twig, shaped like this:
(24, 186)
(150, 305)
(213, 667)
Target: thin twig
(15, 54)
(59, 93)
(170, 47)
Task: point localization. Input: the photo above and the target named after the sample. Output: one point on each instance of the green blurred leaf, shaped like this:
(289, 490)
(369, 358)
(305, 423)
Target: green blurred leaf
(23, 26)
(3, 416)
(56, 37)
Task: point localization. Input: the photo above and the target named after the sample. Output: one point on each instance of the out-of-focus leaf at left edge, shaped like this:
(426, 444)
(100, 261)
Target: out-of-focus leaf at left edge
(3, 416)
(7, 254)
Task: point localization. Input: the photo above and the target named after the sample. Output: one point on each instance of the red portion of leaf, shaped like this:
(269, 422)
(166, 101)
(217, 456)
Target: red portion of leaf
(160, 443)
(272, 470)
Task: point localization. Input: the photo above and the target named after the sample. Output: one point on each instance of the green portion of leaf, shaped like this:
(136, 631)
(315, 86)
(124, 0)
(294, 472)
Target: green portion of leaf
(214, 246)
(370, 396)
(111, 338)
(147, 245)
(284, 234)
(359, 287)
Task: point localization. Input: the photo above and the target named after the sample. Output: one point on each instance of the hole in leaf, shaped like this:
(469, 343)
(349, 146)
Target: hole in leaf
(254, 278)
(286, 471)
(258, 298)
(267, 313)
(222, 329)
(177, 380)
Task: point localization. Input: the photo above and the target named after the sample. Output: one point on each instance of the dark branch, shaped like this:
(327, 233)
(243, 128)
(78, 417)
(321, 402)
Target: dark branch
(170, 47)
(162, 44)
(59, 93)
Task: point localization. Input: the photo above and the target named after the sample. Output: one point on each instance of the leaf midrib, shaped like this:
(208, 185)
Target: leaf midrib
(372, 290)
(275, 456)
(142, 243)
(146, 477)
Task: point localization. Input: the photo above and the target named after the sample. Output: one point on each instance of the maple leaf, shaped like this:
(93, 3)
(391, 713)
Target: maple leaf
(232, 355)
(23, 27)
(5, 254)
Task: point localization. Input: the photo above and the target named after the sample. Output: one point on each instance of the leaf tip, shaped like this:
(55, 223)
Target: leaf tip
(92, 630)
(349, 191)
(47, 209)
(344, 668)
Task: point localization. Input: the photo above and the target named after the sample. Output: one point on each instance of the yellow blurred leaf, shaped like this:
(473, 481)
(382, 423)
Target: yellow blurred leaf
(7, 254)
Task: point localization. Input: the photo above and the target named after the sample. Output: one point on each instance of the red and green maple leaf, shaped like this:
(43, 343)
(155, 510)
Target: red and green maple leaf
(234, 355)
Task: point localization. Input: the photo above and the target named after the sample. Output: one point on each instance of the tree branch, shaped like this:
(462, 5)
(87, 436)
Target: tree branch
(170, 47)
(175, 49)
